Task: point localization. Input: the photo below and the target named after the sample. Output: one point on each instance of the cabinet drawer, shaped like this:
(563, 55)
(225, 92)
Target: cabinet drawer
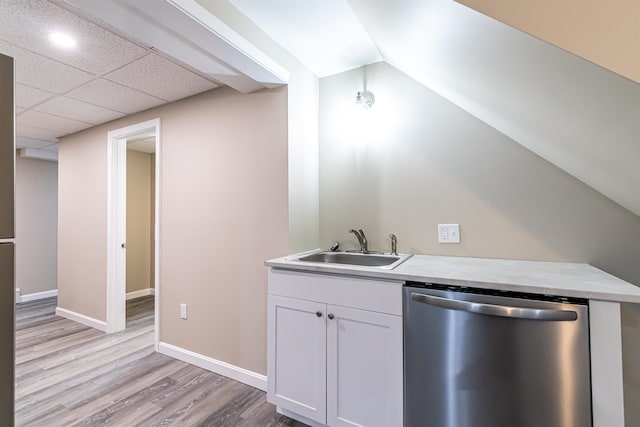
(367, 294)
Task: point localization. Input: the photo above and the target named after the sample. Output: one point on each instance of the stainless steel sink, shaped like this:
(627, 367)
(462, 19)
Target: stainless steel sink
(384, 261)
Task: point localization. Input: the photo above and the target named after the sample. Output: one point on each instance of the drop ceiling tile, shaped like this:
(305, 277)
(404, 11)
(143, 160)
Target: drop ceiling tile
(22, 142)
(160, 77)
(27, 96)
(62, 125)
(43, 73)
(78, 110)
(28, 23)
(31, 132)
(114, 96)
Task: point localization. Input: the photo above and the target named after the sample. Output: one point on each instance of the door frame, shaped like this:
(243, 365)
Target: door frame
(116, 224)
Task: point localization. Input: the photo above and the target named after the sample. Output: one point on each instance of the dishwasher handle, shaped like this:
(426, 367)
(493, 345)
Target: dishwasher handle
(496, 310)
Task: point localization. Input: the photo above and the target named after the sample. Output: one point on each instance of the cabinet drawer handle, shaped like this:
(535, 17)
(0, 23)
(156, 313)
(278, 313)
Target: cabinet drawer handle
(330, 315)
(319, 313)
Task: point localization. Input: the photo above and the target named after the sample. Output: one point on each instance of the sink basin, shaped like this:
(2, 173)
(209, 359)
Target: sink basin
(385, 261)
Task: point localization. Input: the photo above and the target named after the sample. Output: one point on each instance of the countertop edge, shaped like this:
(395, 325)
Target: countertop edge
(628, 293)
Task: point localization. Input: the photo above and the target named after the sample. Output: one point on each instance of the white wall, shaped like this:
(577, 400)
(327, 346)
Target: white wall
(36, 225)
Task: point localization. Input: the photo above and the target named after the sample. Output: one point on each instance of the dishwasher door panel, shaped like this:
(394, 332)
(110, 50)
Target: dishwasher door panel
(464, 369)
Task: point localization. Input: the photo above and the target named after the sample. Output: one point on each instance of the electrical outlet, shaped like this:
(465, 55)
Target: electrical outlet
(183, 311)
(443, 233)
(449, 233)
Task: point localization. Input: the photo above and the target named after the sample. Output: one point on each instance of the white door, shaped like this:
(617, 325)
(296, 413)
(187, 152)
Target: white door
(116, 224)
(117, 234)
(364, 368)
(297, 356)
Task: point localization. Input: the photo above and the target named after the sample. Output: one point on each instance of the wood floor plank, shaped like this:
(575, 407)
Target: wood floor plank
(229, 414)
(32, 348)
(70, 375)
(190, 398)
(92, 363)
(95, 394)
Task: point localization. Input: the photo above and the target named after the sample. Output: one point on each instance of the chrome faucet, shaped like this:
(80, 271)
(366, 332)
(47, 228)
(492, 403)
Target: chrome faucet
(362, 239)
(394, 244)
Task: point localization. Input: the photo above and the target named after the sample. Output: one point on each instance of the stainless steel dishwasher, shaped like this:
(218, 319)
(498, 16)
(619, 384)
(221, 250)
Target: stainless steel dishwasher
(478, 358)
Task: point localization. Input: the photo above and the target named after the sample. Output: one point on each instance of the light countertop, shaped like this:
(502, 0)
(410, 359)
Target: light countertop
(550, 278)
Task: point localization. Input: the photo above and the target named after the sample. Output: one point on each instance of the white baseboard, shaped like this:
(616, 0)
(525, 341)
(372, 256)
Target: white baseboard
(140, 293)
(35, 296)
(18, 299)
(234, 372)
(81, 318)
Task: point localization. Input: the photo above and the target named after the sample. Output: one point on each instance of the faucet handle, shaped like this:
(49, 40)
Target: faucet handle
(394, 244)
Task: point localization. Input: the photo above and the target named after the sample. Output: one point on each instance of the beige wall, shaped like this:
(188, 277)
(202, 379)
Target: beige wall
(606, 32)
(302, 90)
(140, 202)
(429, 162)
(82, 223)
(36, 225)
(224, 210)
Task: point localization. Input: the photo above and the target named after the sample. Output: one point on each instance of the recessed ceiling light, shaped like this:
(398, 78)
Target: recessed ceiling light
(62, 40)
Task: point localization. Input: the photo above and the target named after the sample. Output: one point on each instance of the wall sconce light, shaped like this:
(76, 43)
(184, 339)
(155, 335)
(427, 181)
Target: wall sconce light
(365, 99)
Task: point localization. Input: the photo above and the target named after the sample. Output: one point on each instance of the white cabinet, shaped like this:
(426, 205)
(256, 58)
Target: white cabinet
(333, 364)
(364, 368)
(297, 370)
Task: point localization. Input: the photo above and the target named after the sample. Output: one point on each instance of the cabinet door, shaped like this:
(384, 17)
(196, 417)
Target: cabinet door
(364, 368)
(296, 367)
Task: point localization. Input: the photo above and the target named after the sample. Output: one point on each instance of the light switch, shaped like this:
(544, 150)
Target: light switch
(183, 311)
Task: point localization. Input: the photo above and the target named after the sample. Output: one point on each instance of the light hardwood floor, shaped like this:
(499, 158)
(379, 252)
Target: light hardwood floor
(68, 374)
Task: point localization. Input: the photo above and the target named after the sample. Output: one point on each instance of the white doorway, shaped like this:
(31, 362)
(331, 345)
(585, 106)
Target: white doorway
(143, 135)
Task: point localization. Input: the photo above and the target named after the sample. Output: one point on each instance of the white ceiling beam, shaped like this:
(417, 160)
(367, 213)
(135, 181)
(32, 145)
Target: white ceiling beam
(189, 33)
(35, 153)
(232, 48)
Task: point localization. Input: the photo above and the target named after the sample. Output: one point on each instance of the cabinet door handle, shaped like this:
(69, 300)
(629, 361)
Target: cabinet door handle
(319, 313)
(330, 315)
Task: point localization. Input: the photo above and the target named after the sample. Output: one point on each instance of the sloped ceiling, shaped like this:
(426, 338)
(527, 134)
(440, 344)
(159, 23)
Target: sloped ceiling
(577, 115)
(326, 36)
(606, 32)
